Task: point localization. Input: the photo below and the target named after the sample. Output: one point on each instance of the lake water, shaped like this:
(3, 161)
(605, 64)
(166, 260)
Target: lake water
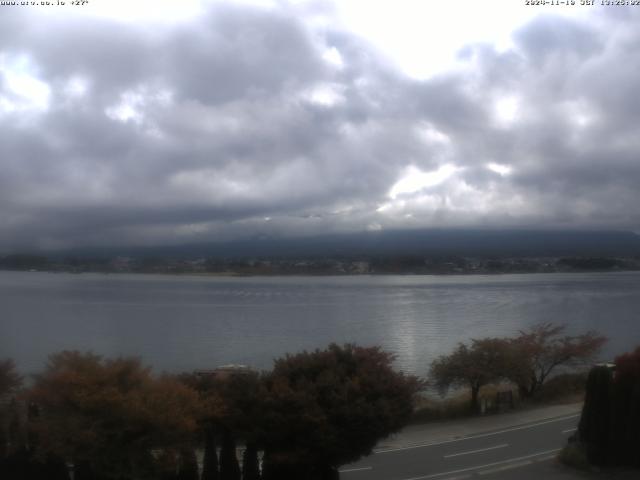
(183, 323)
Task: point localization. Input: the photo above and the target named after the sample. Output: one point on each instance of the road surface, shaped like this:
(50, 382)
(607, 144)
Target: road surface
(487, 454)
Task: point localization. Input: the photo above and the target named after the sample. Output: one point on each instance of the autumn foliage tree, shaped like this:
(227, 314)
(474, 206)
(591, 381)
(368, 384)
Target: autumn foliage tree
(330, 407)
(543, 348)
(474, 366)
(107, 416)
(526, 360)
(10, 381)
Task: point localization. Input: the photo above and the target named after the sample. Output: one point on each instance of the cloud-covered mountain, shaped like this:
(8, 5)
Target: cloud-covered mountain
(425, 243)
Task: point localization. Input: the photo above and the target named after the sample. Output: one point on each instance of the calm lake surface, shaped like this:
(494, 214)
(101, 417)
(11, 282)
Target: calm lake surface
(183, 323)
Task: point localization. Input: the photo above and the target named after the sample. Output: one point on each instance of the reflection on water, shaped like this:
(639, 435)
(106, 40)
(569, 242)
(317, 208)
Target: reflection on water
(181, 323)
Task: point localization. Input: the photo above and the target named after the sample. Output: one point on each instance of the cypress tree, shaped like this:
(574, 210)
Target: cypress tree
(188, 465)
(167, 465)
(210, 461)
(250, 467)
(594, 426)
(229, 468)
(625, 425)
(55, 468)
(17, 466)
(83, 471)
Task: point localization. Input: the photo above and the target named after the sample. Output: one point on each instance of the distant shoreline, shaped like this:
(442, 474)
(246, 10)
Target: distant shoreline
(237, 274)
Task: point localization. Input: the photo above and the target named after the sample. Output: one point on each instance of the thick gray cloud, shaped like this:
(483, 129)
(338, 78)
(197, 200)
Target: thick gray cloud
(255, 121)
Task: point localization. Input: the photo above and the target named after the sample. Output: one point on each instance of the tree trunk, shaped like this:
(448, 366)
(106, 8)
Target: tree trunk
(524, 392)
(250, 467)
(210, 461)
(475, 390)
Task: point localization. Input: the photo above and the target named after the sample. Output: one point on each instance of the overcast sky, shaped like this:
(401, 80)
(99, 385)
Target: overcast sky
(175, 122)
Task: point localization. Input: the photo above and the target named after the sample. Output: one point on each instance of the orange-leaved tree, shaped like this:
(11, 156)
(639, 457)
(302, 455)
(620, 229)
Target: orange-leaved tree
(110, 416)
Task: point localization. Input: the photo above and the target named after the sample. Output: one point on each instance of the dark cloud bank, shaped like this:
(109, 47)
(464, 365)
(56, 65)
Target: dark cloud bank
(249, 121)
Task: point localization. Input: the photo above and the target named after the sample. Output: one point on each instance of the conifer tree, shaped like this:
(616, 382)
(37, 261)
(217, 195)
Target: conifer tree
(188, 465)
(210, 461)
(594, 427)
(250, 467)
(229, 468)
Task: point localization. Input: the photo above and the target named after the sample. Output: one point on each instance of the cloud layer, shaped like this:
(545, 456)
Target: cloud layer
(252, 121)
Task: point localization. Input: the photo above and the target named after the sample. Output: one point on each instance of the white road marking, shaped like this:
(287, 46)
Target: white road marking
(355, 469)
(482, 435)
(479, 467)
(476, 451)
(511, 466)
(503, 468)
(568, 430)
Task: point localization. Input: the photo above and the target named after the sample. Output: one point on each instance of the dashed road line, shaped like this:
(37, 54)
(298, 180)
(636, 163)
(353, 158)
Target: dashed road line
(359, 469)
(469, 452)
(481, 467)
(481, 435)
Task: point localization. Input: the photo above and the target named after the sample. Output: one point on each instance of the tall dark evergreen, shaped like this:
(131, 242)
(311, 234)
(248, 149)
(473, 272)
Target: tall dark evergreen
(210, 461)
(167, 465)
(625, 425)
(229, 467)
(610, 424)
(250, 465)
(17, 466)
(55, 468)
(84, 471)
(188, 465)
(594, 427)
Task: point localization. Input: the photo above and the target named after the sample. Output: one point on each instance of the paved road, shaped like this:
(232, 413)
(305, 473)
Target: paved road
(489, 453)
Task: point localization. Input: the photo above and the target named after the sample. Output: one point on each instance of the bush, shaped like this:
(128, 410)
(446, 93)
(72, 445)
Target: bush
(574, 455)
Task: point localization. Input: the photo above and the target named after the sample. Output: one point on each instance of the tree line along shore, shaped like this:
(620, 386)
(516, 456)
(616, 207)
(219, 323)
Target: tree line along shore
(339, 265)
(105, 419)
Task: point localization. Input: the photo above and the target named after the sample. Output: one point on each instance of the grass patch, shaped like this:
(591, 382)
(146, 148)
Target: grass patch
(455, 405)
(429, 409)
(561, 389)
(567, 387)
